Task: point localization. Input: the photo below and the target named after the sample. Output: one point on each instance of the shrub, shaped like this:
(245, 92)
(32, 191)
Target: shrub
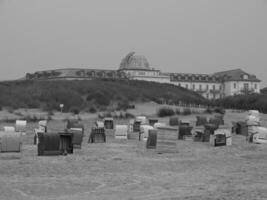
(8, 120)
(75, 110)
(129, 115)
(10, 110)
(101, 115)
(33, 118)
(208, 110)
(49, 117)
(165, 111)
(174, 121)
(244, 102)
(99, 98)
(50, 112)
(79, 118)
(219, 110)
(123, 105)
(18, 113)
(131, 106)
(92, 109)
(178, 111)
(187, 111)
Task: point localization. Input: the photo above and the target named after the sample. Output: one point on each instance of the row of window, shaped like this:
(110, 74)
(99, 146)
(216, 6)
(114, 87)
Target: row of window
(213, 96)
(194, 78)
(246, 86)
(200, 87)
(142, 73)
(80, 73)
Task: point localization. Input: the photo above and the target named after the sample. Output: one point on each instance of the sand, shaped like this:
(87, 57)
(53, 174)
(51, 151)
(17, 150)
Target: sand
(124, 169)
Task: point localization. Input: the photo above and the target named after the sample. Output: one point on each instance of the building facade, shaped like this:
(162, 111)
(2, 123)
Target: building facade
(237, 81)
(206, 85)
(136, 67)
(210, 86)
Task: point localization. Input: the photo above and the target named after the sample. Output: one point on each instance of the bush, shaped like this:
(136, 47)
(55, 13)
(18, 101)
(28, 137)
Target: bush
(101, 115)
(219, 110)
(18, 113)
(165, 111)
(92, 109)
(33, 118)
(174, 121)
(8, 120)
(123, 105)
(244, 102)
(10, 110)
(50, 112)
(49, 117)
(131, 106)
(99, 98)
(178, 111)
(129, 115)
(208, 110)
(187, 111)
(75, 110)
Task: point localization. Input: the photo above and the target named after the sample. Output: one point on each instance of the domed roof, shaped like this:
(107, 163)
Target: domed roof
(132, 61)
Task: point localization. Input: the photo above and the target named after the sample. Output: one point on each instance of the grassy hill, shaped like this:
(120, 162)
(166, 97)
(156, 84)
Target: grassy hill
(90, 94)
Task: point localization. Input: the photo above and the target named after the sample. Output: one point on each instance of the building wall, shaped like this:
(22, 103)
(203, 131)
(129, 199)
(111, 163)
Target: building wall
(152, 79)
(236, 87)
(210, 89)
(140, 73)
(204, 88)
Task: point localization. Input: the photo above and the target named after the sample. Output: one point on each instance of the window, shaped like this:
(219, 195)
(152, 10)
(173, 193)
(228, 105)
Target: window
(142, 73)
(213, 87)
(207, 96)
(186, 86)
(193, 86)
(200, 87)
(234, 85)
(207, 87)
(245, 76)
(245, 86)
(256, 86)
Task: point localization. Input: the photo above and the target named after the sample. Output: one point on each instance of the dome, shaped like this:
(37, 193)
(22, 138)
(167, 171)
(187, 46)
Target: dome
(132, 61)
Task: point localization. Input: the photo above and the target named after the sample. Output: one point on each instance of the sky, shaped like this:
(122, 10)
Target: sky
(183, 36)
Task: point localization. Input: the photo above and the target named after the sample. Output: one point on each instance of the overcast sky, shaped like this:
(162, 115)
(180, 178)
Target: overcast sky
(187, 36)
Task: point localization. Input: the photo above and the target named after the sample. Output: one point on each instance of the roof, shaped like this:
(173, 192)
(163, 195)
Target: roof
(236, 75)
(264, 90)
(188, 77)
(73, 73)
(132, 61)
